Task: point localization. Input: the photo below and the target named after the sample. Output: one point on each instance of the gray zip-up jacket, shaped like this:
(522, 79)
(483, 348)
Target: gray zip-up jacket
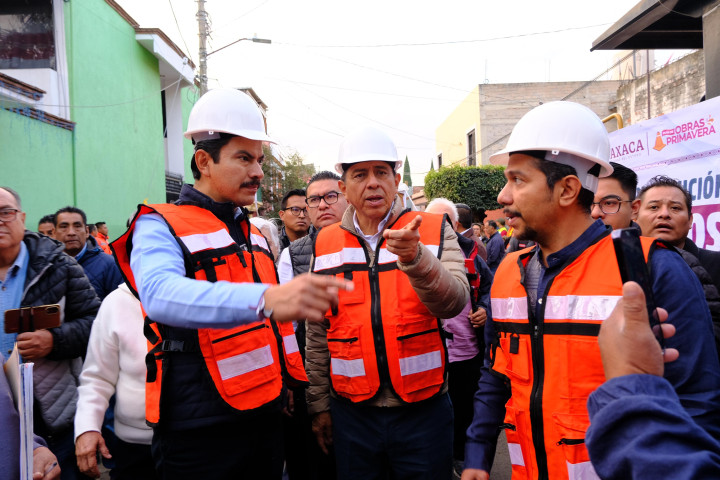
(54, 277)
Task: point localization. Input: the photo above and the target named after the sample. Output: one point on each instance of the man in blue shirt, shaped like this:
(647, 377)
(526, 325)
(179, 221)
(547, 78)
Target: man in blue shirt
(548, 305)
(198, 432)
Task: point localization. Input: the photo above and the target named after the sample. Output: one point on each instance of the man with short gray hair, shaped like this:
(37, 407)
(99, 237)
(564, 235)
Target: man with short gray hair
(34, 272)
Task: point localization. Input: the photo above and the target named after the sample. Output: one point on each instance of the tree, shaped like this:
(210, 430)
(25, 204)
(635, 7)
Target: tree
(407, 179)
(280, 178)
(296, 174)
(432, 166)
(478, 187)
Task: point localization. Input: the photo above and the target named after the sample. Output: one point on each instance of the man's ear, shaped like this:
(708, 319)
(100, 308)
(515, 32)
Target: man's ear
(568, 189)
(202, 159)
(635, 208)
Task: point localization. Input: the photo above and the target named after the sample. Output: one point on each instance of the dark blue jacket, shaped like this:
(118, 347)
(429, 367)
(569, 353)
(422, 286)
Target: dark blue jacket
(495, 251)
(100, 268)
(640, 430)
(695, 376)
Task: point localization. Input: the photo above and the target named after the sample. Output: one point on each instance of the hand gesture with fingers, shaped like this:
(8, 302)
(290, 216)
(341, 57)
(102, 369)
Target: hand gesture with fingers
(404, 242)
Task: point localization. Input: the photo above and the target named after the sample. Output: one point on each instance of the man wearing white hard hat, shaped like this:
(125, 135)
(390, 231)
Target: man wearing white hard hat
(220, 342)
(548, 303)
(377, 366)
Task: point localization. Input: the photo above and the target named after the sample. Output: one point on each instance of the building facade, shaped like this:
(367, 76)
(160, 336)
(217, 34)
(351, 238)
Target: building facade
(92, 109)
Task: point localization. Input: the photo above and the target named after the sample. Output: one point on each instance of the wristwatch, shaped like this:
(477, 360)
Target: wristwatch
(262, 311)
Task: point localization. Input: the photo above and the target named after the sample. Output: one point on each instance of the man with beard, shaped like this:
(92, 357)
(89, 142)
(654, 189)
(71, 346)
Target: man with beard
(548, 304)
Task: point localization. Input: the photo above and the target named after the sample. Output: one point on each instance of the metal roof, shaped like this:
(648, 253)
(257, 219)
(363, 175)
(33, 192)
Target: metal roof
(657, 24)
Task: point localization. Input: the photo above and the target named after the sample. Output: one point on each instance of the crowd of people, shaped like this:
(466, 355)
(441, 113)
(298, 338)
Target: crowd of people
(363, 338)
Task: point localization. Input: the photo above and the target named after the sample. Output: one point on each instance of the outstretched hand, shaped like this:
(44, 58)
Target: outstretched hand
(305, 297)
(404, 242)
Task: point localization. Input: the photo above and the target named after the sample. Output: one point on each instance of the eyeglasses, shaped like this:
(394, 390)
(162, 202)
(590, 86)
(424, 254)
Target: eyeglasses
(330, 198)
(610, 204)
(297, 211)
(8, 214)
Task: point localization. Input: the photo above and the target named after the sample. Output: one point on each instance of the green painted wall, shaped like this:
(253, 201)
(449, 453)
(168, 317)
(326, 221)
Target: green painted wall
(36, 161)
(115, 93)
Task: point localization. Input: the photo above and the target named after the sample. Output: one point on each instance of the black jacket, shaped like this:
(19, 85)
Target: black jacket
(54, 277)
(712, 296)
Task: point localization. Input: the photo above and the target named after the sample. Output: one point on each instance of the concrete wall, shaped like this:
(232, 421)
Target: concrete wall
(115, 91)
(451, 135)
(675, 86)
(494, 109)
(36, 160)
(502, 105)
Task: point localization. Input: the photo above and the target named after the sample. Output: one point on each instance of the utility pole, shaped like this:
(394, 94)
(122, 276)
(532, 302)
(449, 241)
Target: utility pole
(203, 34)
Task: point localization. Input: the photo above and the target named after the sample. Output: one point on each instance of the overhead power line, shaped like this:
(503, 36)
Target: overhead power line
(449, 42)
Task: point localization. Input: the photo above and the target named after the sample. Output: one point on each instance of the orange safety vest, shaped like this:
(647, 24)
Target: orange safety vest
(553, 363)
(247, 363)
(381, 334)
(102, 243)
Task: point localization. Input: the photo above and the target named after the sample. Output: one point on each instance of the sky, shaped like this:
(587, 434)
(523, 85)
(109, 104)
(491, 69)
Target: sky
(403, 66)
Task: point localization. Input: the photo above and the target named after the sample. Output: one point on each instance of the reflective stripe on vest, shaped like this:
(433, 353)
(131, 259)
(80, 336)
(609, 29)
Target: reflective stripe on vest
(207, 241)
(552, 400)
(382, 301)
(246, 362)
(570, 307)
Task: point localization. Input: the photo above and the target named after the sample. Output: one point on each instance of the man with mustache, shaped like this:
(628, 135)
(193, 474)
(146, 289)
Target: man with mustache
(548, 303)
(221, 345)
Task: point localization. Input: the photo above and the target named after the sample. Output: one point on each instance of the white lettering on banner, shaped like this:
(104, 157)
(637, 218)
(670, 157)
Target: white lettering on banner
(207, 241)
(580, 307)
(245, 362)
(333, 260)
(704, 230)
(420, 363)
(291, 345)
(581, 471)
(513, 308)
(516, 457)
(347, 368)
(259, 240)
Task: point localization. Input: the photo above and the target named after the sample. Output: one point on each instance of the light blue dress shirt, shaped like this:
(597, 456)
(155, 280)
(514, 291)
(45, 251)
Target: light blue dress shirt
(11, 291)
(169, 297)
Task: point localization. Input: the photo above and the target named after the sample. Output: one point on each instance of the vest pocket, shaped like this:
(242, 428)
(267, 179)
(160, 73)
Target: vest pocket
(584, 369)
(420, 355)
(570, 432)
(347, 365)
(244, 357)
(515, 350)
(514, 430)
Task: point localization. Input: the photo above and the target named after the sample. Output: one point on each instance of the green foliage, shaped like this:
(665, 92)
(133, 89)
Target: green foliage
(478, 187)
(282, 178)
(407, 179)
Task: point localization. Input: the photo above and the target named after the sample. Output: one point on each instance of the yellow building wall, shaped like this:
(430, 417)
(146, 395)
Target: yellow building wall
(451, 135)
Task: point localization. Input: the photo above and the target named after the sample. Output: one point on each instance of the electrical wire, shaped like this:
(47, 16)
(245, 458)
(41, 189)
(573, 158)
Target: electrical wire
(449, 42)
(187, 49)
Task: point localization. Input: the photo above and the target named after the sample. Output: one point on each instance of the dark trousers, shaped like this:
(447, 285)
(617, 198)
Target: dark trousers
(463, 379)
(62, 445)
(401, 443)
(303, 456)
(132, 462)
(251, 449)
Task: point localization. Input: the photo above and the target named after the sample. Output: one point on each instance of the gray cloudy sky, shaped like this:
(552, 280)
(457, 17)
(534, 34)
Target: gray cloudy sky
(402, 65)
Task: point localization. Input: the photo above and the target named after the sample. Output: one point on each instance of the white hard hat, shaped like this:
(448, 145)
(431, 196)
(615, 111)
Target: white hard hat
(226, 110)
(570, 133)
(367, 144)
